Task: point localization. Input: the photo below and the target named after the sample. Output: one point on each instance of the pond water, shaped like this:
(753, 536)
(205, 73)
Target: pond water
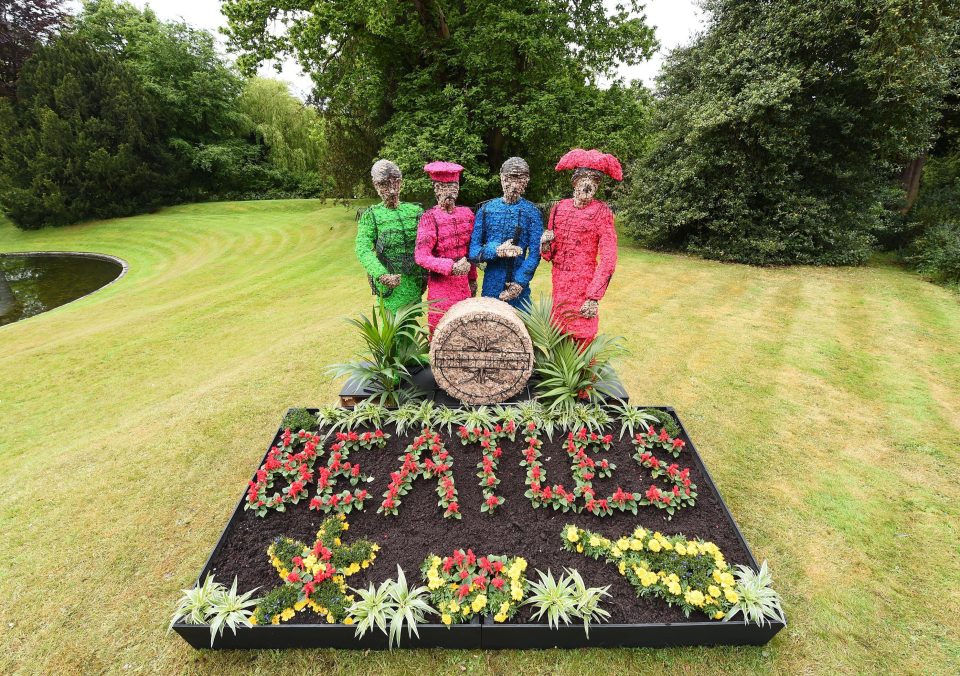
(34, 283)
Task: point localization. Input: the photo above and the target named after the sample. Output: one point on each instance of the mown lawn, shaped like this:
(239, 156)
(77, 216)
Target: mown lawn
(826, 402)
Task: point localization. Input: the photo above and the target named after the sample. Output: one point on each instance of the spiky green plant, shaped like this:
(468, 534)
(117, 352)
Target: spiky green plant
(229, 609)
(332, 418)
(425, 414)
(395, 343)
(554, 597)
(758, 602)
(367, 413)
(194, 604)
(407, 606)
(632, 419)
(446, 418)
(404, 417)
(588, 600)
(574, 373)
(479, 417)
(545, 333)
(371, 608)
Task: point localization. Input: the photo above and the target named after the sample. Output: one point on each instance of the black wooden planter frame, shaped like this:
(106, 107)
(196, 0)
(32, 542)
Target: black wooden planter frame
(484, 633)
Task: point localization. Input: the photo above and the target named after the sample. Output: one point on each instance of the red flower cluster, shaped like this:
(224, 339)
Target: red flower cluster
(683, 490)
(339, 465)
(540, 493)
(284, 461)
(652, 439)
(439, 465)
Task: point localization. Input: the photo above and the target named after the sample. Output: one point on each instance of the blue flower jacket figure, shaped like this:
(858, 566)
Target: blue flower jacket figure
(519, 224)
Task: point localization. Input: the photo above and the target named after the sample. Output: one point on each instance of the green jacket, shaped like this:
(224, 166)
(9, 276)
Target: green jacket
(386, 239)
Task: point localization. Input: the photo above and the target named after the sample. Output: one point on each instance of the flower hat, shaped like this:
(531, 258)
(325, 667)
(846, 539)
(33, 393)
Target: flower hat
(578, 158)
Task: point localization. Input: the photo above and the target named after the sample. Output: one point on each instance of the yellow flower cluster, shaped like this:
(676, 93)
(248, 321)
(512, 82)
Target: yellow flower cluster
(481, 591)
(652, 560)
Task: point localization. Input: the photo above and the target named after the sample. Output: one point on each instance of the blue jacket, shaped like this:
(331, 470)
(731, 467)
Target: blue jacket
(496, 222)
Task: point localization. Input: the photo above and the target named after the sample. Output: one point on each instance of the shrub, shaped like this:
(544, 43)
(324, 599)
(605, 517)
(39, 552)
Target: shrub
(937, 253)
(298, 419)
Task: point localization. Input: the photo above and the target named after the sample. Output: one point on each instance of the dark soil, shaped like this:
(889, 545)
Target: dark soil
(515, 529)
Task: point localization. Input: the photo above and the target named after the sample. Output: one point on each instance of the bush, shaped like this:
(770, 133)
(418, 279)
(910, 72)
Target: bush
(298, 419)
(777, 131)
(83, 140)
(937, 253)
(666, 420)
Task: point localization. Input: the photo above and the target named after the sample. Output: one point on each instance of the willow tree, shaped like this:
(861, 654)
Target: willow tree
(473, 81)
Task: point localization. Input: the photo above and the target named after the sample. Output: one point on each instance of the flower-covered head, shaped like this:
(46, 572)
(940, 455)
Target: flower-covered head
(586, 182)
(387, 181)
(514, 177)
(589, 166)
(446, 183)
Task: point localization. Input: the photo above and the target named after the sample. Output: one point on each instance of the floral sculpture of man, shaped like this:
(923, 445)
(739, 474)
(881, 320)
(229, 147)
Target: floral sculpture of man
(443, 242)
(386, 238)
(506, 236)
(578, 231)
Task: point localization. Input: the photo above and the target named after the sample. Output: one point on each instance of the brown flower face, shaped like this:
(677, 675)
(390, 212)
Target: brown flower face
(585, 189)
(389, 190)
(446, 194)
(514, 185)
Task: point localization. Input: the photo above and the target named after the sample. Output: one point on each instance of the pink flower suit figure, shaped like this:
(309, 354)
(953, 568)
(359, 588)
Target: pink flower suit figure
(582, 231)
(443, 243)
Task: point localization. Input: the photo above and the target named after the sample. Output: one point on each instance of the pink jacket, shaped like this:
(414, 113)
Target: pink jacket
(442, 239)
(580, 235)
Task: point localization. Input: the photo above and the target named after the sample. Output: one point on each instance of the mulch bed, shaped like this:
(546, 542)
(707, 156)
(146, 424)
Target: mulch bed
(516, 528)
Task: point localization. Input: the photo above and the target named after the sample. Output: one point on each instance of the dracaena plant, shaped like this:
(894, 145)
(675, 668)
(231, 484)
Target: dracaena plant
(395, 343)
(212, 603)
(758, 602)
(407, 606)
(573, 373)
(554, 598)
(389, 607)
(370, 609)
(588, 600)
(632, 419)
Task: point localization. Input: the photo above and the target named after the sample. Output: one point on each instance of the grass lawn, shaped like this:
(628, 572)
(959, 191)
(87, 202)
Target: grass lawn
(826, 403)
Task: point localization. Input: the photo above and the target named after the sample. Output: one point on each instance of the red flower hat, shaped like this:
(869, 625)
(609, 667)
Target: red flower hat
(592, 159)
(443, 172)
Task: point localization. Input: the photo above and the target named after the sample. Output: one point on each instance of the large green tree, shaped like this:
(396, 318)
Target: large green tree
(194, 91)
(781, 128)
(83, 140)
(473, 81)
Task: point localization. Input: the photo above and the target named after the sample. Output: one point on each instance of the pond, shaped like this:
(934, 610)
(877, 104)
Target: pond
(37, 282)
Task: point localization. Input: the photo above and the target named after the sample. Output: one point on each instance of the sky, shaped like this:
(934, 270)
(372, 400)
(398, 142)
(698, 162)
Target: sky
(675, 20)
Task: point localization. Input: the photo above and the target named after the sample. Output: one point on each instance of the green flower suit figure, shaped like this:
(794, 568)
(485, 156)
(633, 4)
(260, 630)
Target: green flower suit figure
(386, 239)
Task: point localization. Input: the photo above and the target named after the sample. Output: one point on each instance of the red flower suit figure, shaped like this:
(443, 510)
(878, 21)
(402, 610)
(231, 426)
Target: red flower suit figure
(578, 230)
(443, 242)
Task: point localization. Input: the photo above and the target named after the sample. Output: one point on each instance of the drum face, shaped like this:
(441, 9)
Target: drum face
(481, 352)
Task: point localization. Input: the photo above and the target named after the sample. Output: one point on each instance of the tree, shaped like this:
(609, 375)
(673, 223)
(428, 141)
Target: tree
(83, 140)
(472, 81)
(195, 93)
(779, 132)
(292, 131)
(24, 24)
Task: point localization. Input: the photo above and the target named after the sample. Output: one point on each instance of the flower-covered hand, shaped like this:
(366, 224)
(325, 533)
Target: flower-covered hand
(511, 291)
(508, 250)
(389, 281)
(461, 267)
(546, 241)
(589, 309)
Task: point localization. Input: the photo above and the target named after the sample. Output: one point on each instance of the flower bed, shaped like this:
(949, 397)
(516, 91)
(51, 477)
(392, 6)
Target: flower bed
(476, 490)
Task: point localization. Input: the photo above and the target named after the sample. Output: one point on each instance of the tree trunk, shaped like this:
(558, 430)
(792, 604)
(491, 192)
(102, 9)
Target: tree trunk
(432, 18)
(910, 179)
